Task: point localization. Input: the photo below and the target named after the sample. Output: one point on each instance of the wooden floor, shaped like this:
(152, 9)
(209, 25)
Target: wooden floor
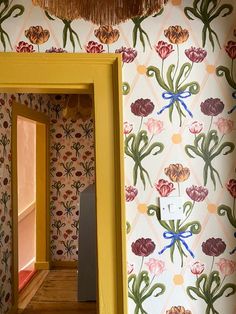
(54, 292)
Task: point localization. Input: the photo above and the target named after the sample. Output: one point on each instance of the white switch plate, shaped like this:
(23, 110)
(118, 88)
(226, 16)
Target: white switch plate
(171, 207)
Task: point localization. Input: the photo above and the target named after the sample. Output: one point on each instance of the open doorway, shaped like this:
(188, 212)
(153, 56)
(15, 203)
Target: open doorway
(72, 200)
(26, 167)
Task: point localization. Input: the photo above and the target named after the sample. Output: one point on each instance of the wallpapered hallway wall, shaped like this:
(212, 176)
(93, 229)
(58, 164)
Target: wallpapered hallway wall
(179, 136)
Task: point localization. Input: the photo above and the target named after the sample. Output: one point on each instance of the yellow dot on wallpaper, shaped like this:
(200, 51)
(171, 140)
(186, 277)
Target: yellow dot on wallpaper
(178, 280)
(141, 69)
(212, 208)
(142, 208)
(210, 68)
(176, 138)
(176, 2)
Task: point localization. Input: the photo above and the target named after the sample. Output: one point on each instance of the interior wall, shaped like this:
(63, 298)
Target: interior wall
(26, 163)
(72, 170)
(186, 148)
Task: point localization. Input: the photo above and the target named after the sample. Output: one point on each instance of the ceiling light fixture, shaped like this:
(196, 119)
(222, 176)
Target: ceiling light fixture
(102, 12)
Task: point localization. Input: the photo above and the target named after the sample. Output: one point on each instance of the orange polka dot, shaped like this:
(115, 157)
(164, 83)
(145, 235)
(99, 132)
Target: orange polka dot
(210, 68)
(176, 138)
(212, 208)
(178, 280)
(142, 208)
(176, 2)
(141, 69)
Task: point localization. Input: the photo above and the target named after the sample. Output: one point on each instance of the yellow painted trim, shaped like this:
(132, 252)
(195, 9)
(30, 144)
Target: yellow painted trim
(42, 195)
(42, 189)
(42, 265)
(64, 264)
(45, 73)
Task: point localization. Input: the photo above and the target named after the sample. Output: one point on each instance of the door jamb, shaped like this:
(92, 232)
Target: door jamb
(42, 189)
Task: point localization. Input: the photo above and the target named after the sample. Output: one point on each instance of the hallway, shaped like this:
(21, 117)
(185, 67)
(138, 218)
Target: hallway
(57, 293)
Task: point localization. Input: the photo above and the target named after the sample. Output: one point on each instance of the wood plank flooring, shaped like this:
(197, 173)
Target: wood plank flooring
(58, 294)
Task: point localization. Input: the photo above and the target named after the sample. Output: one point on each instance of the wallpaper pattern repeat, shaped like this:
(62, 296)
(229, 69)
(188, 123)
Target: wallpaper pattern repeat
(179, 86)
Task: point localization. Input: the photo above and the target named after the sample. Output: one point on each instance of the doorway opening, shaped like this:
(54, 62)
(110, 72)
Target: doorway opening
(72, 198)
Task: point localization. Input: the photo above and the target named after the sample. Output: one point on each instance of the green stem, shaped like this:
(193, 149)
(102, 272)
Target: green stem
(150, 139)
(187, 215)
(162, 69)
(178, 188)
(140, 125)
(234, 208)
(177, 65)
(186, 76)
(38, 48)
(210, 124)
(141, 266)
(108, 50)
(212, 264)
(232, 69)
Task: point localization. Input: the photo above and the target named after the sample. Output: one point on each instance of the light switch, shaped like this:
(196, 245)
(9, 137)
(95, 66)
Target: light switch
(171, 207)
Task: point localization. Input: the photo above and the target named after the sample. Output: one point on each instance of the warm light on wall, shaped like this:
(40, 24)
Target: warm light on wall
(75, 106)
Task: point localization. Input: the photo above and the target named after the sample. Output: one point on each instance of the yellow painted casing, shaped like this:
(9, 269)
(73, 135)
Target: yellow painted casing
(73, 73)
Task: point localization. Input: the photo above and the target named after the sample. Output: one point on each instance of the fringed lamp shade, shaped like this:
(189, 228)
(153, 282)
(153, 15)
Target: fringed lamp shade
(101, 12)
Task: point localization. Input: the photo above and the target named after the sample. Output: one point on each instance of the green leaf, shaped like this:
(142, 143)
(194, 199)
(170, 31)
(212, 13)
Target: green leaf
(193, 149)
(184, 70)
(224, 209)
(195, 227)
(213, 279)
(64, 35)
(135, 35)
(169, 76)
(228, 286)
(49, 16)
(152, 210)
(172, 251)
(221, 71)
(188, 10)
(192, 290)
(158, 145)
(77, 37)
(152, 290)
(3, 41)
(188, 205)
(125, 88)
(151, 71)
(227, 7)
(192, 87)
(205, 173)
(228, 145)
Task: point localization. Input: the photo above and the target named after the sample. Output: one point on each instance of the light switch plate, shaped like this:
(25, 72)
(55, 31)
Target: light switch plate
(171, 208)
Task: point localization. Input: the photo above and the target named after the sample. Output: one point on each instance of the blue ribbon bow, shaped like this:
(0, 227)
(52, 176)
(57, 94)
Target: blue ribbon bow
(177, 236)
(176, 97)
(234, 107)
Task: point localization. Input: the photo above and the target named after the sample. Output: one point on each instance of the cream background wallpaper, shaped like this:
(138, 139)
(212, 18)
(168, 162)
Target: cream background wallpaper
(171, 266)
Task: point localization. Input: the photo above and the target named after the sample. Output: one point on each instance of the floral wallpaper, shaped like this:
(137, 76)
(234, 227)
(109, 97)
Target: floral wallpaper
(72, 170)
(179, 91)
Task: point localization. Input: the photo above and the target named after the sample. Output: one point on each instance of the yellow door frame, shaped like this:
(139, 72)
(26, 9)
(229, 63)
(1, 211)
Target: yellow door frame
(71, 73)
(42, 188)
